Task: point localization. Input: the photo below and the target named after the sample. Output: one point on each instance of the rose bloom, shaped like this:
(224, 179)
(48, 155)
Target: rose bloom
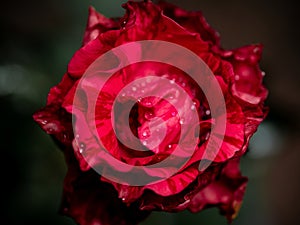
(90, 198)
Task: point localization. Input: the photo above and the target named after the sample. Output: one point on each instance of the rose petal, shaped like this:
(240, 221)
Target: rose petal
(192, 21)
(226, 192)
(97, 24)
(90, 201)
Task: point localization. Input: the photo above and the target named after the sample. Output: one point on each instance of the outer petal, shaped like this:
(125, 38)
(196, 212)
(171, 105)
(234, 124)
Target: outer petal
(226, 191)
(247, 81)
(192, 21)
(180, 201)
(83, 58)
(97, 24)
(89, 201)
(53, 119)
(145, 21)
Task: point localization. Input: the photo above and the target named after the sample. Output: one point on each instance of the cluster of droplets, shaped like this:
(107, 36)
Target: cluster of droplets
(77, 144)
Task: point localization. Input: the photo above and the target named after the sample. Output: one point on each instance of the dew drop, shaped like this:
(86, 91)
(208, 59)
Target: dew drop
(207, 112)
(193, 107)
(144, 143)
(123, 199)
(148, 115)
(169, 146)
(263, 73)
(81, 147)
(44, 122)
(172, 81)
(181, 121)
(206, 136)
(256, 50)
(158, 158)
(148, 104)
(145, 134)
(123, 24)
(173, 113)
(236, 77)
(50, 130)
(133, 89)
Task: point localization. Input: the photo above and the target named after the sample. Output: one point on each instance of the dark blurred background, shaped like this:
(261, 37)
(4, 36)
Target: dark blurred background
(38, 39)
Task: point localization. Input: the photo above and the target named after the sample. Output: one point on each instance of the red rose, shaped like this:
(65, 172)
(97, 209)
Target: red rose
(153, 123)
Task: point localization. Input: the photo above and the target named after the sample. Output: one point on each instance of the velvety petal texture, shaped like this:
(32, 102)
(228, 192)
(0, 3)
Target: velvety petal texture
(93, 199)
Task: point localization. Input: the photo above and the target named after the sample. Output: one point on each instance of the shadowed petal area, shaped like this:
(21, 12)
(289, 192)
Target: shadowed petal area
(226, 191)
(92, 202)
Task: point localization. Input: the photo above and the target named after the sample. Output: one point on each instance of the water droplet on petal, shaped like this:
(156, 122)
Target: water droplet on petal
(236, 77)
(50, 130)
(207, 112)
(123, 199)
(148, 115)
(133, 89)
(193, 107)
(169, 146)
(181, 121)
(172, 81)
(263, 73)
(145, 134)
(44, 122)
(173, 113)
(256, 50)
(81, 147)
(148, 104)
(144, 143)
(206, 136)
